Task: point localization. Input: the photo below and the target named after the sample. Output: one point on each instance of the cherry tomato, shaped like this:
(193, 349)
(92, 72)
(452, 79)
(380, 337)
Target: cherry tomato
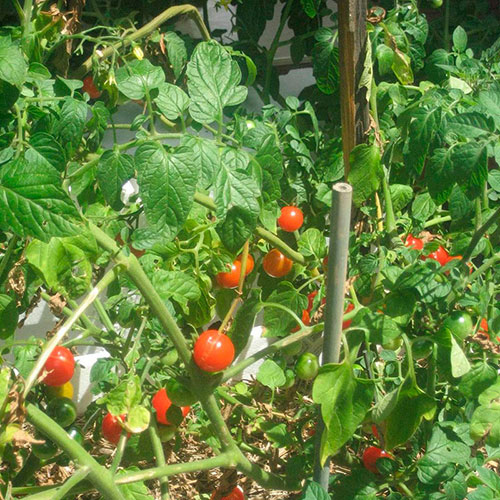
(441, 255)
(179, 394)
(310, 300)
(414, 243)
(483, 326)
(370, 457)
(250, 264)
(236, 494)
(347, 323)
(276, 264)
(231, 278)
(291, 219)
(62, 410)
(75, 434)
(60, 365)
(46, 450)
(306, 319)
(213, 351)
(459, 323)
(307, 366)
(436, 4)
(61, 391)
(111, 427)
(90, 88)
(161, 403)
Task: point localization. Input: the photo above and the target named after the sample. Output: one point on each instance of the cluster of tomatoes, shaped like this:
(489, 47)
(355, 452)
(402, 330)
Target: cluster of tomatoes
(440, 255)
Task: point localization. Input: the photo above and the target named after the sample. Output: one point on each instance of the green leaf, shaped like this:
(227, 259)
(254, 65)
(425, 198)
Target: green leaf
(312, 243)
(237, 227)
(459, 363)
(176, 285)
(485, 421)
(489, 478)
(47, 146)
(326, 61)
(423, 207)
(439, 175)
(8, 317)
(401, 65)
(172, 101)
(470, 125)
(459, 39)
(167, 183)
(8, 95)
(489, 101)
(205, 157)
(244, 320)
(479, 378)
(271, 375)
(400, 306)
(461, 208)
(137, 77)
(470, 164)
(124, 396)
(382, 329)
(113, 170)
(385, 58)
(32, 202)
(311, 7)
(69, 128)
(314, 491)
(63, 266)
(278, 434)
(25, 357)
(365, 173)
(137, 419)
(401, 195)
(177, 52)
(13, 67)
(423, 125)
(213, 82)
(270, 160)
(134, 491)
(411, 407)
(344, 401)
(4, 384)
(444, 450)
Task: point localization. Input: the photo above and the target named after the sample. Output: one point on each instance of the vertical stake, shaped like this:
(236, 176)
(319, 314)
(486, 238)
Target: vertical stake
(340, 221)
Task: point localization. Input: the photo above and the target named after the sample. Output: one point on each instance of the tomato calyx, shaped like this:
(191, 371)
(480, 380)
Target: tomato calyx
(291, 219)
(213, 351)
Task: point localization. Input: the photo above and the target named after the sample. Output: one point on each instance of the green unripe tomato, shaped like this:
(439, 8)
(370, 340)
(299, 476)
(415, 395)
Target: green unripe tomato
(76, 434)
(44, 451)
(436, 4)
(290, 379)
(170, 358)
(393, 344)
(62, 410)
(292, 349)
(460, 324)
(422, 348)
(179, 394)
(307, 366)
(166, 432)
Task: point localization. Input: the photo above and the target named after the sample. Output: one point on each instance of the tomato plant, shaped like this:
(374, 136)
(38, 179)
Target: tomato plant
(60, 366)
(213, 351)
(276, 264)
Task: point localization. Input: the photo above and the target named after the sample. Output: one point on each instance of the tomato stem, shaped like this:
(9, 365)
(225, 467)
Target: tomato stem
(159, 456)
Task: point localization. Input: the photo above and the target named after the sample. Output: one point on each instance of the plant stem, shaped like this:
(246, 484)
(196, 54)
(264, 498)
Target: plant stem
(159, 456)
(148, 28)
(390, 220)
(478, 219)
(107, 279)
(103, 315)
(61, 492)
(272, 50)
(120, 450)
(437, 220)
(98, 475)
(222, 460)
(446, 35)
(7, 255)
(271, 238)
(28, 7)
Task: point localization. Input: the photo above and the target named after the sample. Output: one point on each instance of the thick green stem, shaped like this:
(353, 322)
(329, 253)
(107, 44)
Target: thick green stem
(437, 220)
(159, 456)
(106, 321)
(98, 475)
(148, 28)
(28, 7)
(271, 238)
(8, 254)
(222, 460)
(272, 50)
(390, 220)
(107, 279)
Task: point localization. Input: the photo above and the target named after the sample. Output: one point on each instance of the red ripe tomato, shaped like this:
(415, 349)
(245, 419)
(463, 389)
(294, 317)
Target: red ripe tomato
(310, 300)
(250, 264)
(276, 264)
(306, 319)
(236, 494)
(231, 278)
(90, 88)
(213, 351)
(161, 403)
(370, 457)
(414, 243)
(483, 326)
(291, 219)
(441, 255)
(347, 323)
(61, 365)
(111, 427)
